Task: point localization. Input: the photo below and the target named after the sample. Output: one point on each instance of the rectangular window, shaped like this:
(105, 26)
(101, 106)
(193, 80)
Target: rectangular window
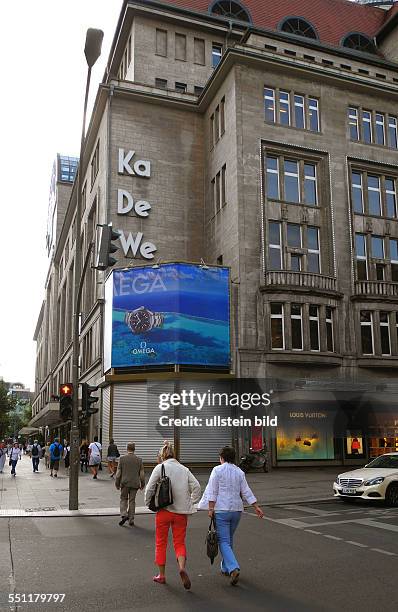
(269, 104)
(284, 107)
(367, 332)
(377, 243)
(391, 197)
(218, 193)
(353, 123)
(161, 83)
(394, 259)
(310, 184)
(313, 114)
(216, 54)
(392, 132)
(291, 181)
(161, 42)
(314, 253)
(367, 126)
(314, 327)
(360, 249)
(213, 196)
(357, 192)
(197, 90)
(380, 269)
(296, 263)
(212, 136)
(277, 327)
(223, 185)
(296, 327)
(181, 87)
(374, 195)
(272, 167)
(385, 333)
(216, 124)
(199, 51)
(299, 113)
(180, 47)
(95, 164)
(222, 116)
(379, 129)
(274, 245)
(329, 329)
(294, 240)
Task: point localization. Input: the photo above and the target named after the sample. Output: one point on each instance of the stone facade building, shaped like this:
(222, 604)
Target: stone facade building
(272, 136)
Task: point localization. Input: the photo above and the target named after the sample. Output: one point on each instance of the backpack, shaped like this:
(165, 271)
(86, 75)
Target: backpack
(56, 451)
(35, 450)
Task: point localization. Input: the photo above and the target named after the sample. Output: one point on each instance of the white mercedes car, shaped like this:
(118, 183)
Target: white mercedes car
(378, 480)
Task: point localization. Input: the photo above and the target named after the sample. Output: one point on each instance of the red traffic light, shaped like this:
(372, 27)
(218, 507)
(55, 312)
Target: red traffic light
(65, 390)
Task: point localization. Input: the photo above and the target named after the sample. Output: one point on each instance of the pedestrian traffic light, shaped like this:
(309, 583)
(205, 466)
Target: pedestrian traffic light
(88, 400)
(65, 401)
(106, 247)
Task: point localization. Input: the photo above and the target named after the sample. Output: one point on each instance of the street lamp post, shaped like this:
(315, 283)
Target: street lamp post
(92, 51)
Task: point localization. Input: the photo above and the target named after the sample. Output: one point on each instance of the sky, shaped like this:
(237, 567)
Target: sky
(41, 105)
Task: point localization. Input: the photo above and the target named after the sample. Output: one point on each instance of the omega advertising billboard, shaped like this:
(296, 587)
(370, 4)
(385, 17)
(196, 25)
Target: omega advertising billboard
(175, 313)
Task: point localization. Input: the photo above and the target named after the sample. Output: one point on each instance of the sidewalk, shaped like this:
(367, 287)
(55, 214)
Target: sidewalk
(37, 494)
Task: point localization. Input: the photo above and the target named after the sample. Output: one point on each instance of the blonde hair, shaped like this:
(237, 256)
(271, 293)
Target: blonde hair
(167, 451)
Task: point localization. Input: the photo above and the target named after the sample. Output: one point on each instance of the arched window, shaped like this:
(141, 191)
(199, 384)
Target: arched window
(230, 10)
(299, 27)
(359, 42)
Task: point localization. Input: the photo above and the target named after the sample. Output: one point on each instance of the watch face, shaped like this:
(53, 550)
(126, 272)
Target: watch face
(140, 321)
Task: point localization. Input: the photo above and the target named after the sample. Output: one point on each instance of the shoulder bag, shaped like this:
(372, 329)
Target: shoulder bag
(212, 541)
(163, 495)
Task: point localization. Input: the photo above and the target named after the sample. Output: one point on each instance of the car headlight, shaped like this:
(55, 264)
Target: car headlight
(337, 480)
(374, 481)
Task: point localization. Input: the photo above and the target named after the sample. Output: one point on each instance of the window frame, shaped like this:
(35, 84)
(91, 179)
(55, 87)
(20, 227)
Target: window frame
(310, 105)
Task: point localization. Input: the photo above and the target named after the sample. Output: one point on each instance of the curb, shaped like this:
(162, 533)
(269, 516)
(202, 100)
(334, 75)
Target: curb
(17, 513)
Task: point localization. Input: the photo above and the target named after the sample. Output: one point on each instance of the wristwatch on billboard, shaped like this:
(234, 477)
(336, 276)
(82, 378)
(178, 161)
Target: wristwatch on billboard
(142, 320)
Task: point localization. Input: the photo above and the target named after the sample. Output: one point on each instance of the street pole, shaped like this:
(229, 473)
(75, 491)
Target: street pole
(92, 51)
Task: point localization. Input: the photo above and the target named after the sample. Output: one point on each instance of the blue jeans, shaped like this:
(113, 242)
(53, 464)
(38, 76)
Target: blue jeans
(35, 461)
(13, 464)
(226, 524)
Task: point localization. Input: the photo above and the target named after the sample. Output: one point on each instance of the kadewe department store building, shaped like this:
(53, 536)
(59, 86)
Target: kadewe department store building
(165, 325)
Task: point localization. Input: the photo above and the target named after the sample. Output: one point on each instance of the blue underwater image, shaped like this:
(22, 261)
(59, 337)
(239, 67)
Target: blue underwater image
(174, 314)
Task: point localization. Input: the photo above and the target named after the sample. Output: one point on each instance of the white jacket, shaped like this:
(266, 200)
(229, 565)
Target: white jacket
(186, 489)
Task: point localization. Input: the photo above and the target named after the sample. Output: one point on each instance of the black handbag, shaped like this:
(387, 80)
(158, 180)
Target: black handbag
(212, 541)
(163, 495)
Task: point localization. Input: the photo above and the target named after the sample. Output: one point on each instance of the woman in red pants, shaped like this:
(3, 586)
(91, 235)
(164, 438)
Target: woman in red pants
(186, 492)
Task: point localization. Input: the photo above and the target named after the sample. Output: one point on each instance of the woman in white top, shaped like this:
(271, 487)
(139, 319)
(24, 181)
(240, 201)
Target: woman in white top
(186, 493)
(226, 489)
(15, 455)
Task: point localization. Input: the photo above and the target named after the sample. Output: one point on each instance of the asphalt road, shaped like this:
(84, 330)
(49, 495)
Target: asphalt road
(316, 557)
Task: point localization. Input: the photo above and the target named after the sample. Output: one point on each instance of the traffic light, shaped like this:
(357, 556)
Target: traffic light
(65, 401)
(88, 400)
(106, 247)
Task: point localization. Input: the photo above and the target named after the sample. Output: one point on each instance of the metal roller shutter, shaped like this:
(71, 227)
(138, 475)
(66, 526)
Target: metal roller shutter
(106, 409)
(202, 444)
(135, 419)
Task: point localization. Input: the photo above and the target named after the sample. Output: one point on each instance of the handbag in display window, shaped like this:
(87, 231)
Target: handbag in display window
(212, 541)
(163, 495)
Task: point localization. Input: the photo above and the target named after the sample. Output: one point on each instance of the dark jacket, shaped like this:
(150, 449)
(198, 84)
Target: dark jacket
(130, 472)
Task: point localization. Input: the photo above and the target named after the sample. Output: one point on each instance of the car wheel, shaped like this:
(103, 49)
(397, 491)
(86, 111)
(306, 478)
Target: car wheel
(392, 495)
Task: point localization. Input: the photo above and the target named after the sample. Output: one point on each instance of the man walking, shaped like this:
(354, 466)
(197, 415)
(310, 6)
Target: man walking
(35, 454)
(55, 455)
(15, 455)
(130, 477)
